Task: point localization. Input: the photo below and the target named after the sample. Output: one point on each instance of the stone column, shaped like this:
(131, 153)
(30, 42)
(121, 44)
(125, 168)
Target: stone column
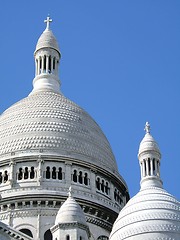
(39, 170)
(38, 225)
(93, 180)
(11, 173)
(68, 168)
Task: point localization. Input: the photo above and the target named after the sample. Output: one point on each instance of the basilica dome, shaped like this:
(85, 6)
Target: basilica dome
(48, 123)
(47, 144)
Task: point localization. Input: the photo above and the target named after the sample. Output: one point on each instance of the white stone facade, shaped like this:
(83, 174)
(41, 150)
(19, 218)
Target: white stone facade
(47, 144)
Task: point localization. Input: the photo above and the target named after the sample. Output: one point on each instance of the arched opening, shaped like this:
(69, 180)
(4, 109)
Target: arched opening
(48, 173)
(26, 173)
(75, 176)
(26, 231)
(20, 174)
(80, 177)
(5, 176)
(86, 179)
(0, 177)
(54, 173)
(49, 67)
(98, 183)
(102, 186)
(32, 173)
(44, 70)
(60, 174)
(115, 194)
(67, 237)
(48, 235)
(40, 65)
(54, 62)
(107, 188)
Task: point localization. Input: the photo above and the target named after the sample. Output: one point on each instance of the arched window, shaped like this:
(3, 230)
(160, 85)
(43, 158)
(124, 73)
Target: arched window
(98, 183)
(5, 176)
(115, 194)
(0, 177)
(102, 186)
(48, 173)
(48, 235)
(75, 176)
(26, 173)
(54, 63)
(107, 188)
(20, 174)
(80, 238)
(32, 173)
(40, 65)
(44, 70)
(80, 177)
(54, 173)
(60, 174)
(86, 179)
(27, 232)
(67, 237)
(49, 67)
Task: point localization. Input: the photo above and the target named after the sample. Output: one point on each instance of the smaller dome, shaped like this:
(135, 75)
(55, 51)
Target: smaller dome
(148, 144)
(151, 214)
(70, 212)
(47, 40)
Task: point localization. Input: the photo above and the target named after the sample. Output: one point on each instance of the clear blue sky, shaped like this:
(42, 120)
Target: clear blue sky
(120, 62)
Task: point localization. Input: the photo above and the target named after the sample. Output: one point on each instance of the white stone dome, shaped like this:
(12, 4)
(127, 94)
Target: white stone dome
(153, 214)
(48, 123)
(148, 144)
(70, 212)
(47, 40)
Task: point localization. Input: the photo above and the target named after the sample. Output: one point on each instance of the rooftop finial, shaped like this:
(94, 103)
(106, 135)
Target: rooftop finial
(70, 191)
(147, 127)
(48, 21)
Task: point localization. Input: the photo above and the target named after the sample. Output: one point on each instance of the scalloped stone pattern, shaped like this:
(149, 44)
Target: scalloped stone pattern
(153, 214)
(50, 123)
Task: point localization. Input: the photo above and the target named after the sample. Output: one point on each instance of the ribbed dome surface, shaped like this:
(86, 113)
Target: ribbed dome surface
(70, 212)
(50, 123)
(148, 144)
(152, 214)
(47, 40)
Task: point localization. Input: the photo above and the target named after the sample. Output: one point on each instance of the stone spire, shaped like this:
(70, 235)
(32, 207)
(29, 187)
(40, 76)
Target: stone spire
(47, 57)
(149, 158)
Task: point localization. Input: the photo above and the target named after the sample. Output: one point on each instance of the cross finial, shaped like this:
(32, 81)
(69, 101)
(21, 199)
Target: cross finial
(147, 127)
(48, 21)
(70, 191)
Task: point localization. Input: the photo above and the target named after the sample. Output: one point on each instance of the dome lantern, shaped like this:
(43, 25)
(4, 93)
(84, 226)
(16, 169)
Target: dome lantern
(47, 57)
(149, 159)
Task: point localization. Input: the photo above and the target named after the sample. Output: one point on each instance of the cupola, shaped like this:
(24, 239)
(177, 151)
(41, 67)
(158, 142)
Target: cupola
(149, 159)
(70, 222)
(47, 57)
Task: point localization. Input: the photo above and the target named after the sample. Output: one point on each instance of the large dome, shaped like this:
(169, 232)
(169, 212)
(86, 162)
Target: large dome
(48, 123)
(47, 144)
